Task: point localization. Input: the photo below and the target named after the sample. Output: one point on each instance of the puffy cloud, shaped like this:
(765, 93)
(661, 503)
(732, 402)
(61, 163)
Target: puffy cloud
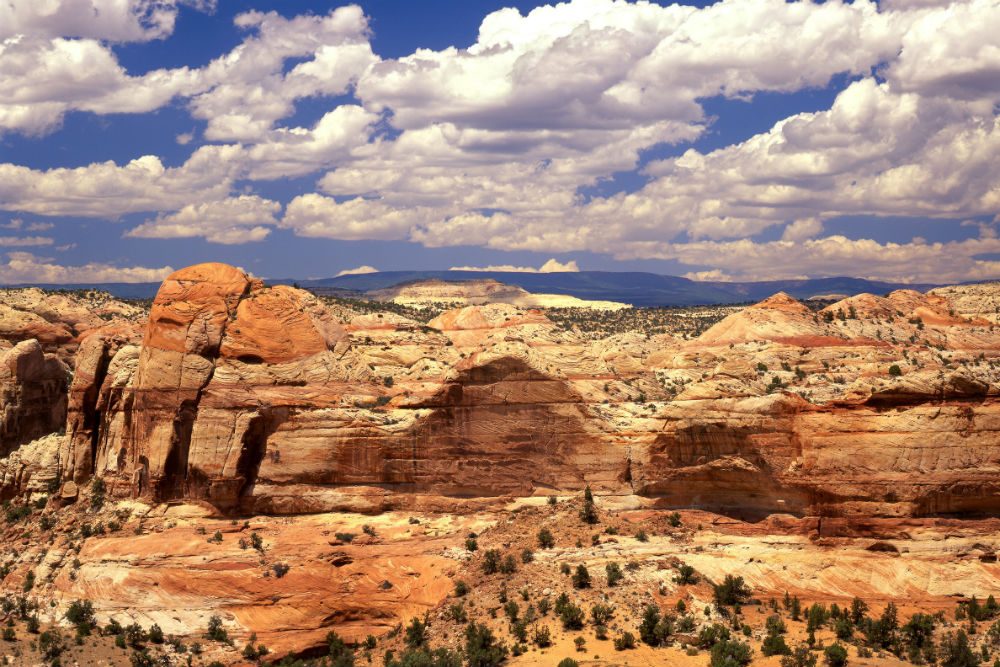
(236, 220)
(24, 267)
(611, 64)
(248, 88)
(917, 261)
(43, 75)
(106, 189)
(115, 20)
(952, 51)
(551, 266)
(289, 152)
(358, 271)
(715, 275)
(353, 219)
(803, 229)
(24, 241)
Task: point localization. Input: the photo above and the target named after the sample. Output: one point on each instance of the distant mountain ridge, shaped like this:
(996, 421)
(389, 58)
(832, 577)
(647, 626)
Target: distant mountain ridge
(633, 287)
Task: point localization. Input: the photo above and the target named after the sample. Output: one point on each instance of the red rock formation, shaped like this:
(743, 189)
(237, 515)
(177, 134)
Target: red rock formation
(255, 398)
(32, 395)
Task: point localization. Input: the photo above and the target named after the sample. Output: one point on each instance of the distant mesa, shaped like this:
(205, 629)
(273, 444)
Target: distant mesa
(478, 292)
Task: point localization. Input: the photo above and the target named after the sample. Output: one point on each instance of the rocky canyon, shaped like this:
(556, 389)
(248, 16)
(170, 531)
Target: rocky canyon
(294, 465)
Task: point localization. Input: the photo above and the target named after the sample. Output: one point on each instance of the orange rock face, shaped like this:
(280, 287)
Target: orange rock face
(32, 395)
(258, 399)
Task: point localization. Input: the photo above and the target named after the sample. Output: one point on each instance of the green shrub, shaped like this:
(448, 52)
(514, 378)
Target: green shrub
(546, 539)
(730, 653)
(624, 641)
(835, 655)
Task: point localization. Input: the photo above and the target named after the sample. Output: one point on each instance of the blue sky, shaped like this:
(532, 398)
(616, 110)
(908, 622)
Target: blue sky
(750, 139)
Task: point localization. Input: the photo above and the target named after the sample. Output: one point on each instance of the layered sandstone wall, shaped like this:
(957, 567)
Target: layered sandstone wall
(256, 400)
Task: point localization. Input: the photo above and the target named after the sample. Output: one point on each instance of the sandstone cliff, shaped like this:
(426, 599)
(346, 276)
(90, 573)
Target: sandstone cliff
(257, 400)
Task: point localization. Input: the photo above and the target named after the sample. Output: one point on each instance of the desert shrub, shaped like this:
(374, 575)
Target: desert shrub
(491, 561)
(800, 657)
(482, 648)
(546, 539)
(461, 589)
(711, 635)
(625, 641)
(731, 591)
(686, 575)
(600, 614)
(215, 631)
(835, 655)
(615, 574)
(508, 565)
(730, 653)
(956, 651)
(339, 653)
(774, 644)
(571, 616)
(581, 577)
(416, 634)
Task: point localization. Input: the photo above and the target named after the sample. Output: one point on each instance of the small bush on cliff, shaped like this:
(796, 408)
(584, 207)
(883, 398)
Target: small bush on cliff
(686, 575)
(581, 578)
(571, 616)
(81, 613)
(440, 657)
(774, 644)
(416, 634)
(508, 565)
(674, 520)
(481, 647)
(624, 641)
(731, 653)
(491, 561)
(732, 591)
(895, 370)
(97, 491)
(340, 654)
(800, 657)
(215, 631)
(655, 629)
(546, 539)
(956, 652)
(615, 574)
(835, 655)
(461, 588)
(588, 513)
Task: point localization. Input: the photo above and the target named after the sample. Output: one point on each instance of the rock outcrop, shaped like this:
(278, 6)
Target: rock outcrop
(32, 394)
(256, 399)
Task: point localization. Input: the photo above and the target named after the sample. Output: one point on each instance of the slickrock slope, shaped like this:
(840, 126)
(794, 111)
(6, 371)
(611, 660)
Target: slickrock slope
(59, 321)
(257, 400)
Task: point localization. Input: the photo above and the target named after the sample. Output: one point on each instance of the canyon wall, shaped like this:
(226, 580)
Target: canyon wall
(258, 399)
